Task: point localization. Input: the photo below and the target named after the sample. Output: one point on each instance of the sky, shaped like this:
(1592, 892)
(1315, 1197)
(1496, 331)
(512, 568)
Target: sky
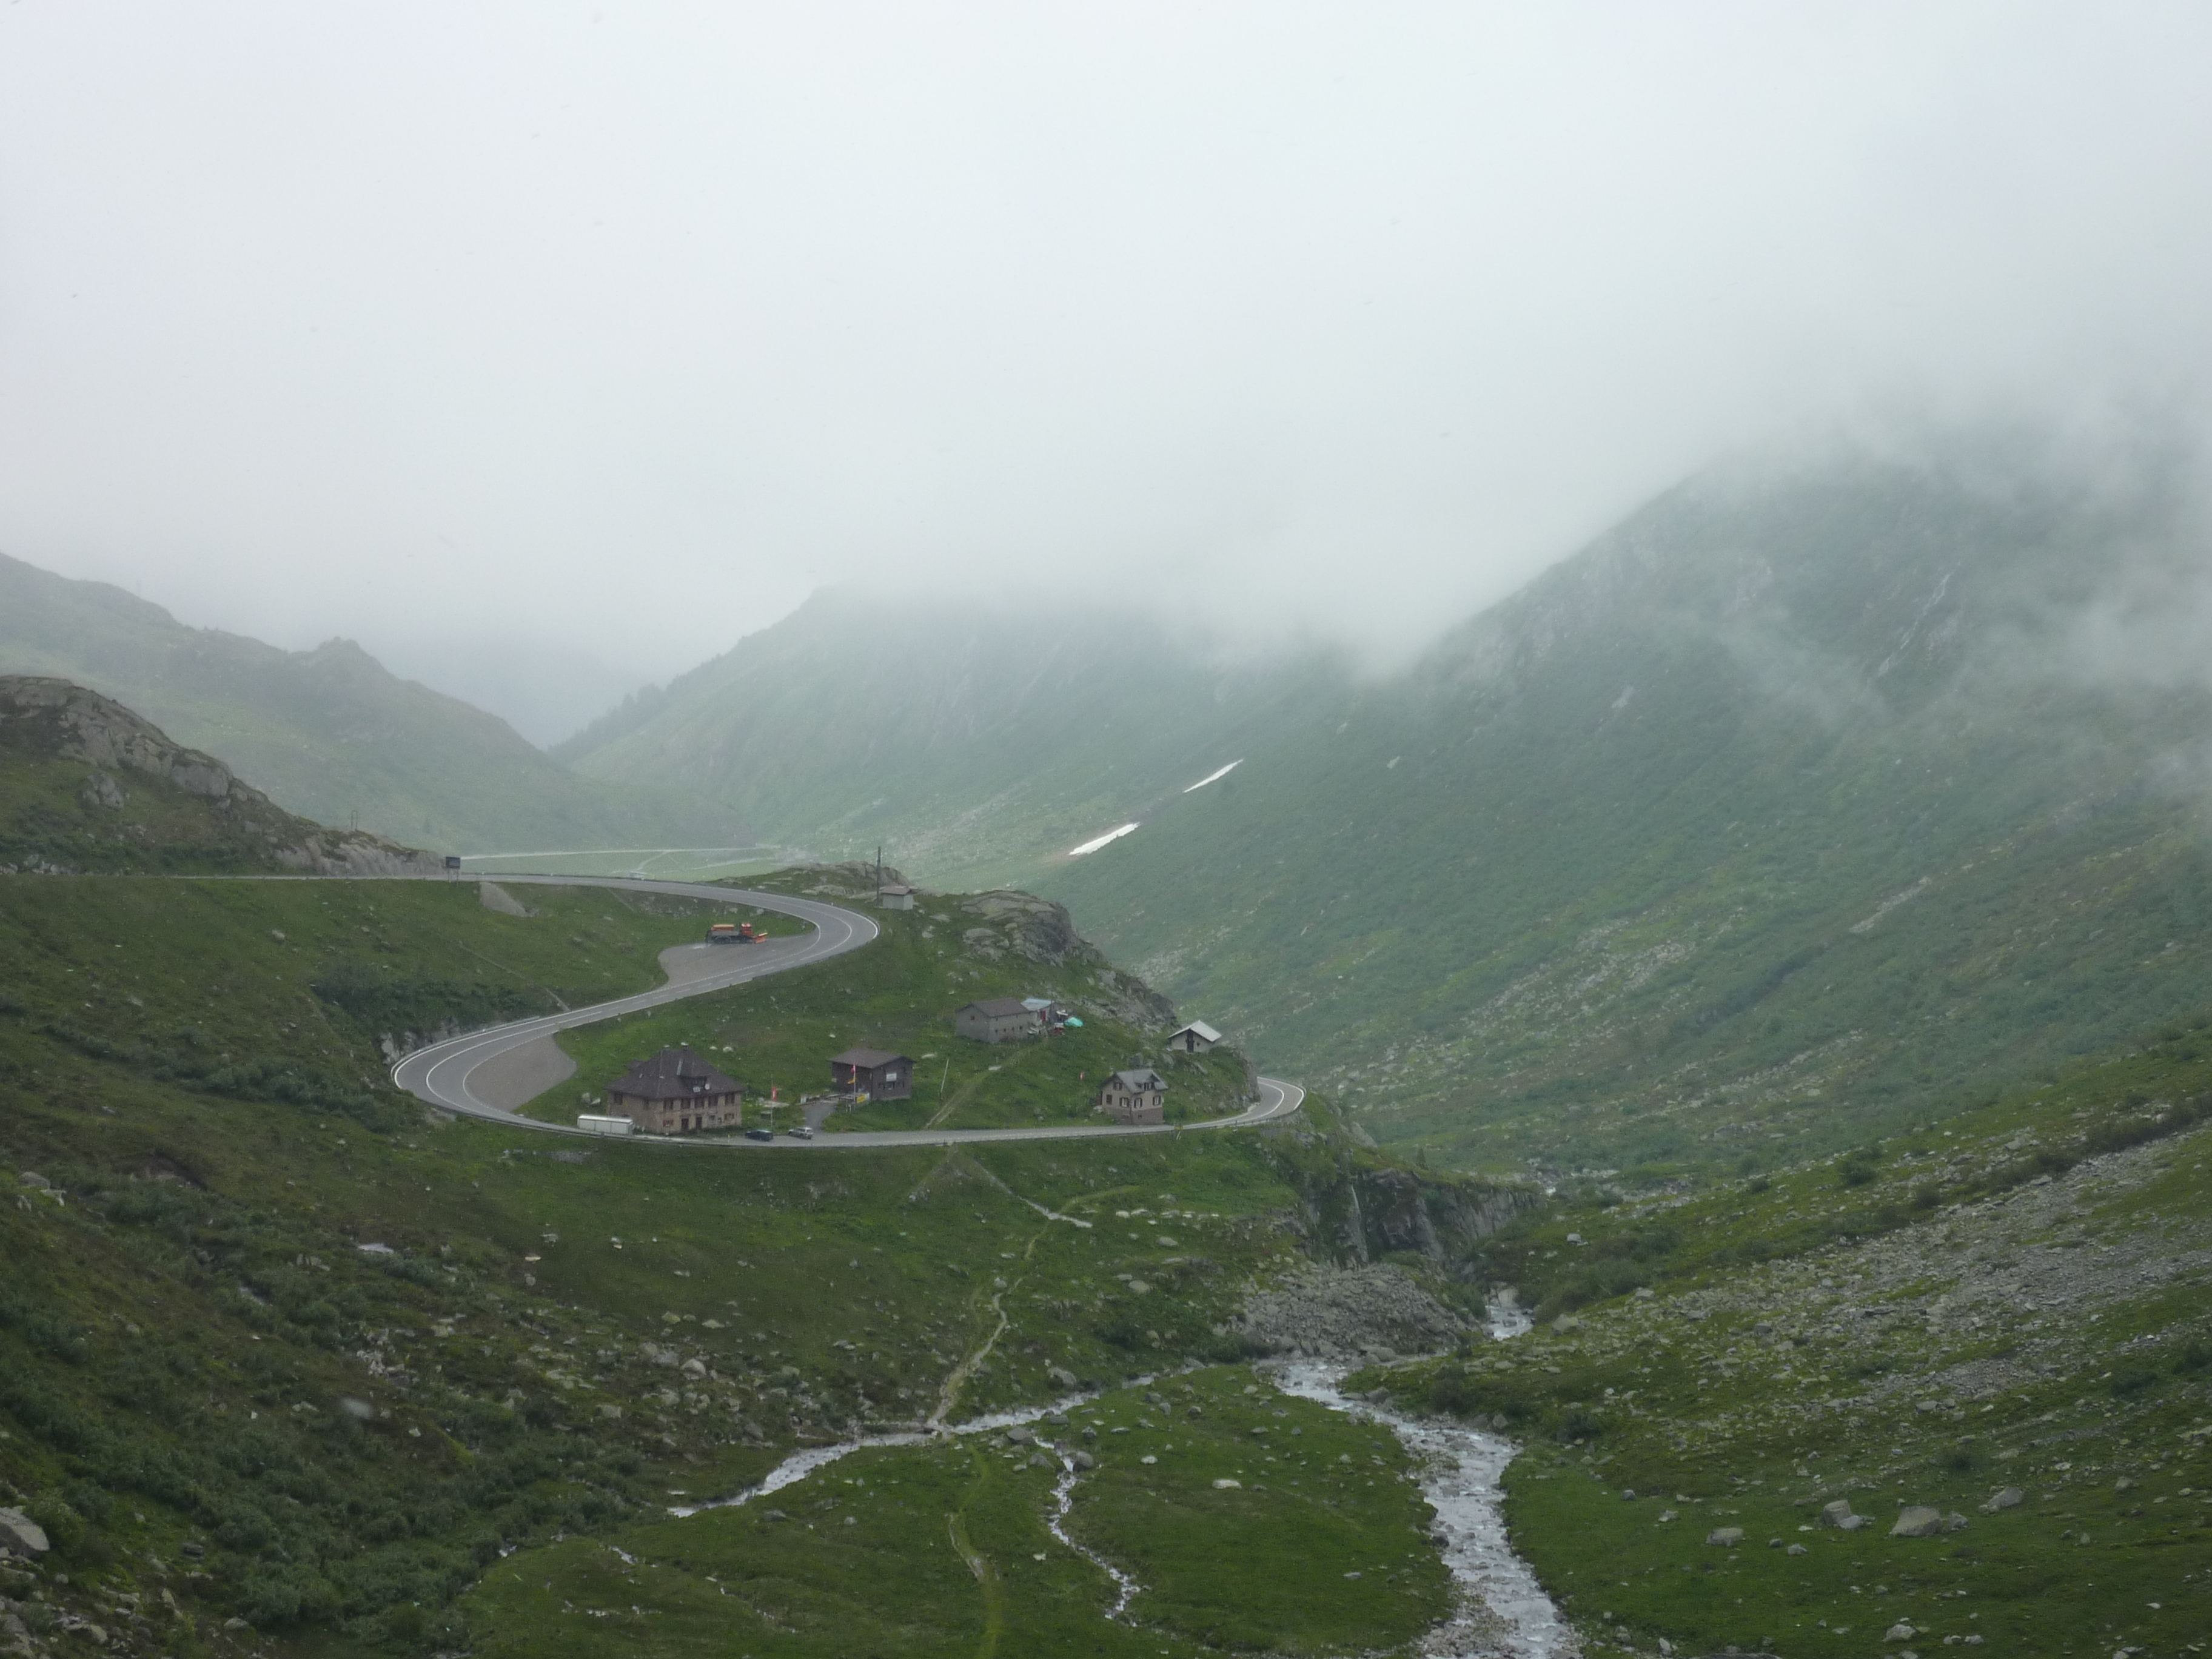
(549, 349)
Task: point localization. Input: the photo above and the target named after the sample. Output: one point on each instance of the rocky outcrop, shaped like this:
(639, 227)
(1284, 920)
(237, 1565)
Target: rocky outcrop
(493, 896)
(356, 852)
(1129, 1000)
(1005, 923)
(21, 1535)
(853, 879)
(1025, 926)
(1358, 1213)
(1374, 1313)
(56, 720)
(1387, 1210)
(63, 720)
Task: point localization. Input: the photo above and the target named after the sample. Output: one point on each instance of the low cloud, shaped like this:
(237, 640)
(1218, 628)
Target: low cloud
(616, 333)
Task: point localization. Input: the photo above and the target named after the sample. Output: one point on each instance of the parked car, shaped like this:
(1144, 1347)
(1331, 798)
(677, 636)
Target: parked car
(801, 1132)
(760, 1134)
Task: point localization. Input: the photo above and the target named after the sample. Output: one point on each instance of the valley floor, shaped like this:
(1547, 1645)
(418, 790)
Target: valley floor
(2030, 1367)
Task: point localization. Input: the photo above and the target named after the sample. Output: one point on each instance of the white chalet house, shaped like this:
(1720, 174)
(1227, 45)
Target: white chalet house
(1195, 1038)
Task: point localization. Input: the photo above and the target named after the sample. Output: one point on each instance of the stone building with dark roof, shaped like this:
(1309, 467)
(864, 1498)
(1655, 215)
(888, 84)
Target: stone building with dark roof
(1139, 1095)
(676, 1092)
(1001, 1019)
(872, 1072)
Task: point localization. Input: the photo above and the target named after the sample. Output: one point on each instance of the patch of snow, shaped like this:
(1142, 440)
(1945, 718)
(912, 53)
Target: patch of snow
(1215, 777)
(1093, 846)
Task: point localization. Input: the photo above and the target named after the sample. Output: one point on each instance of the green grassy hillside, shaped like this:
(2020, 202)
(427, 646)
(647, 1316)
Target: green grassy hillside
(221, 1405)
(2017, 1298)
(470, 1437)
(329, 733)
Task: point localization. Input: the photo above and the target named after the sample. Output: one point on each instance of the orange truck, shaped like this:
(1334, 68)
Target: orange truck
(733, 933)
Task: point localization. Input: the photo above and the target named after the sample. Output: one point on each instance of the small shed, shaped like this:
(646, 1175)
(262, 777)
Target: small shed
(1195, 1038)
(1055, 1015)
(676, 1092)
(1001, 1019)
(1139, 1095)
(895, 896)
(872, 1072)
(594, 1124)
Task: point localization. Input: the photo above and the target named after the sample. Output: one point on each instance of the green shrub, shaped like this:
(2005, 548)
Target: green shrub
(42, 1328)
(1580, 1424)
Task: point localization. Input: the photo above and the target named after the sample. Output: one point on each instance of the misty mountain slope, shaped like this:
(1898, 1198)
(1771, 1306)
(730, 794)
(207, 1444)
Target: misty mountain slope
(1792, 809)
(976, 742)
(328, 732)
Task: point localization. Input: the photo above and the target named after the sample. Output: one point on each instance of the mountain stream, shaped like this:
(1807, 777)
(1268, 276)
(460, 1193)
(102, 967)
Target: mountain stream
(1503, 1612)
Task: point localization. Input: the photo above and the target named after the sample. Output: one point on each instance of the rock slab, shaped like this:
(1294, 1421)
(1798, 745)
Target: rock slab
(21, 1535)
(1918, 1521)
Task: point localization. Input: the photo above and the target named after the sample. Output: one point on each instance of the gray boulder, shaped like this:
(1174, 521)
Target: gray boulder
(1838, 1514)
(1084, 1460)
(21, 1535)
(1918, 1521)
(2002, 1500)
(1726, 1537)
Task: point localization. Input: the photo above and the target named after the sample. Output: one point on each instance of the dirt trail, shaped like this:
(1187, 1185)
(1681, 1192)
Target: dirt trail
(987, 1580)
(950, 1395)
(956, 1100)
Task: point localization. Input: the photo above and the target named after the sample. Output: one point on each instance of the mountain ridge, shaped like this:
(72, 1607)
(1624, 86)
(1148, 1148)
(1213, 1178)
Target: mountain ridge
(328, 732)
(971, 737)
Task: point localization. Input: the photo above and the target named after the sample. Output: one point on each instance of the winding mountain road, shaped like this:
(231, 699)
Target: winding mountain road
(441, 1075)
